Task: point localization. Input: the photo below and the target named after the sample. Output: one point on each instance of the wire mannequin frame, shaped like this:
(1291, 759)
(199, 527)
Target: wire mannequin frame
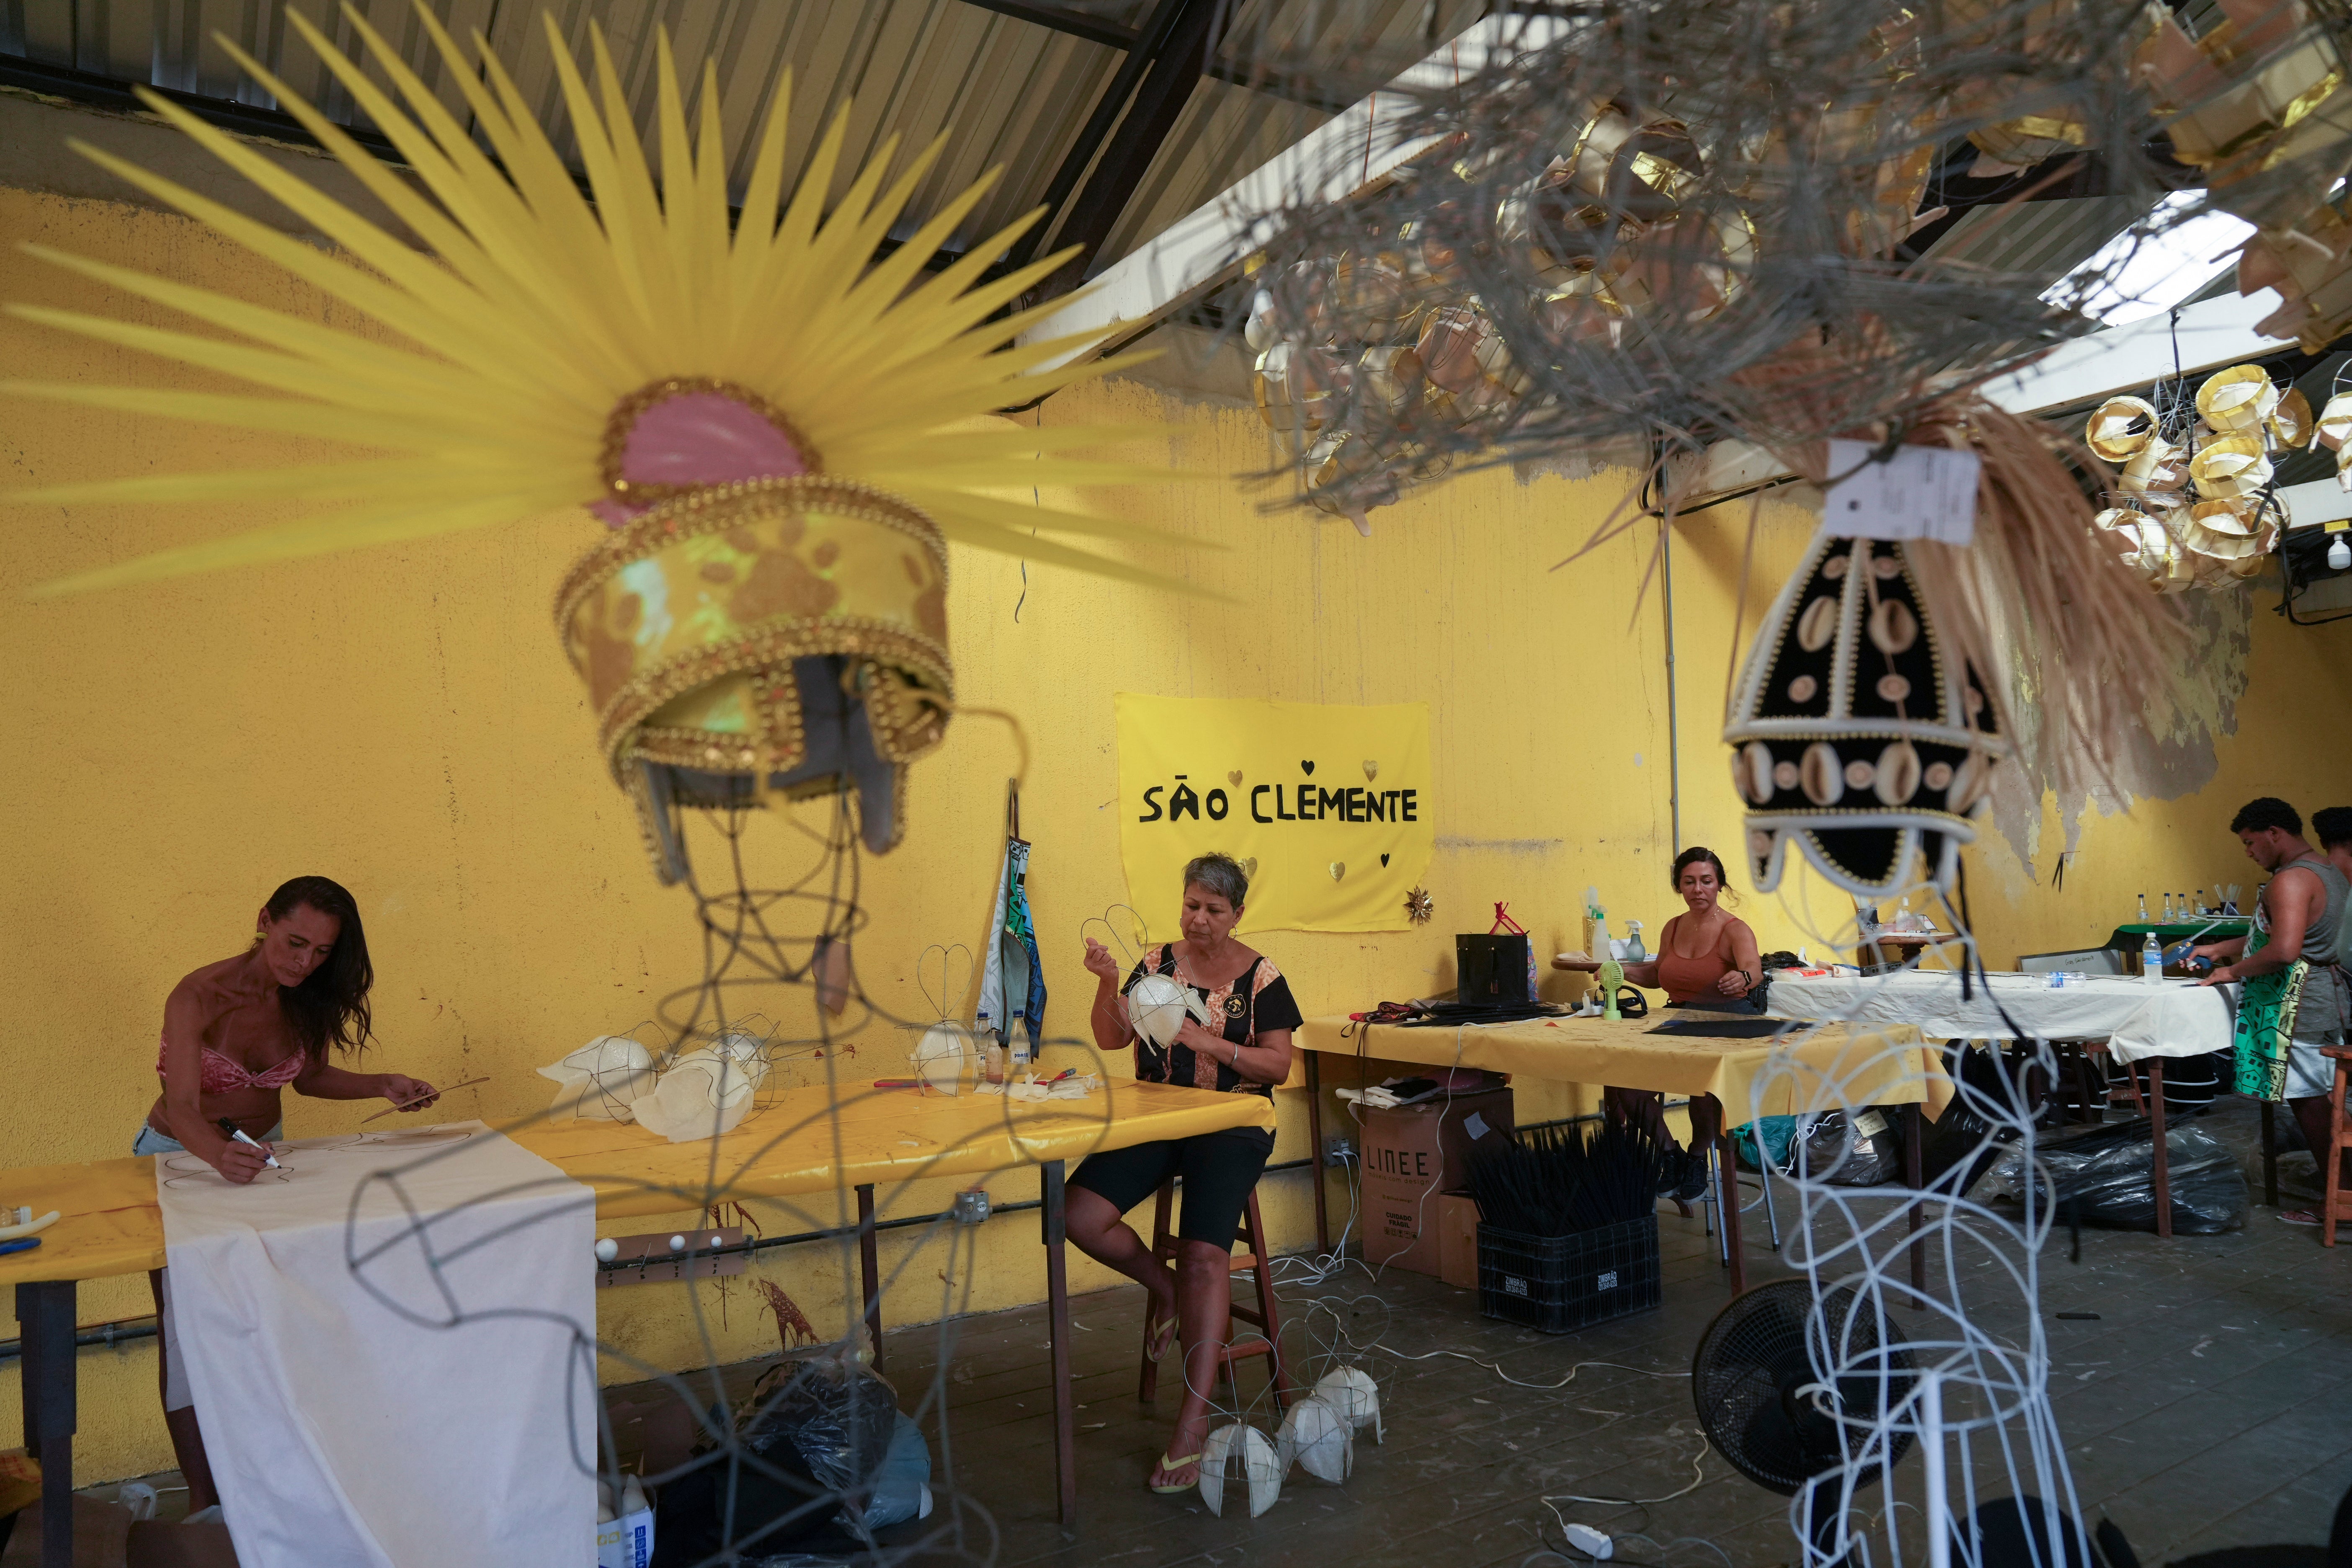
(1975, 1396)
(762, 945)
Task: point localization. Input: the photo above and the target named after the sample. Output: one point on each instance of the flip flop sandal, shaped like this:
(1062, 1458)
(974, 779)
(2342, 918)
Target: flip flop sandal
(1160, 1339)
(1168, 1464)
(2300, 1217)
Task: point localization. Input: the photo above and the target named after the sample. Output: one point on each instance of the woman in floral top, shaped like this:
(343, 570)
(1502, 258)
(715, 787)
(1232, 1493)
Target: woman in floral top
(1247, 1053)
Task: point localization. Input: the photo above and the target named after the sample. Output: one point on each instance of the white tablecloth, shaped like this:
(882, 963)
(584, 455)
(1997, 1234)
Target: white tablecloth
(362, 1408)
(2170, 1018)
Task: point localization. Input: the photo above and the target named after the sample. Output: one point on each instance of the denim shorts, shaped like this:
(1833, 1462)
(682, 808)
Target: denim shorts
(150, 1142)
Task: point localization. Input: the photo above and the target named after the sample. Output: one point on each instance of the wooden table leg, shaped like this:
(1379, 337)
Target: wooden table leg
(1710, 1125)
(869, 1270)
(2269, 1154)
(2163, 1155)
(1315, 1149)
(45, 1322)
(1914, 1165)
(1057, 1305)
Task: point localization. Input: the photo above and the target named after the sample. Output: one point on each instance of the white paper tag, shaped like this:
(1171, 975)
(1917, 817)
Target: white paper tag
(1607, 1282)
(1474, 1125)
(1870, 1124)
(1921, 493)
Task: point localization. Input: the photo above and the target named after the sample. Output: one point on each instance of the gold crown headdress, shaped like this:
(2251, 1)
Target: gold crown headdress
(762, 411)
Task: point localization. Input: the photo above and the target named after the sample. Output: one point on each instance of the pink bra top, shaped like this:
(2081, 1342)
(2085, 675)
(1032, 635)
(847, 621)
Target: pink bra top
(220, 1075)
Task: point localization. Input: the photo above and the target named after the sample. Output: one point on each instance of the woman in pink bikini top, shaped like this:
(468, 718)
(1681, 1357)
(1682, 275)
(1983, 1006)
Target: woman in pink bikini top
(237, 1032)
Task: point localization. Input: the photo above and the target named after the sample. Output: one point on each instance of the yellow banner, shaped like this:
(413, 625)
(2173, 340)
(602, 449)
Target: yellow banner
(1327, 807)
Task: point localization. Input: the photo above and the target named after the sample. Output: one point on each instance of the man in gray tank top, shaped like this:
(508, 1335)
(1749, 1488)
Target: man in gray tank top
(2300, 914)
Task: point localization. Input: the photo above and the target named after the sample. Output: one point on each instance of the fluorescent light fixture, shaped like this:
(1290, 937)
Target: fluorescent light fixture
(2154, 272)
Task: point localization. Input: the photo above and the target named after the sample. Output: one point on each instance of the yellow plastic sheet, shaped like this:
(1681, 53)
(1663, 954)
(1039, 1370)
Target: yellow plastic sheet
(1824, 1067)
(108, 1222)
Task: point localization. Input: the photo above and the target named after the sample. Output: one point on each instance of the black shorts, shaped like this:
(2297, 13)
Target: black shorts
(1219, 1170)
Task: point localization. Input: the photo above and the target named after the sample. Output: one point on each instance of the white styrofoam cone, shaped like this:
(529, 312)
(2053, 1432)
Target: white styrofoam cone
(602, 1080)
(940, 1056)
(1155, 1007)
(1350, 1390)
(1319, 1439)
(1260, 1466)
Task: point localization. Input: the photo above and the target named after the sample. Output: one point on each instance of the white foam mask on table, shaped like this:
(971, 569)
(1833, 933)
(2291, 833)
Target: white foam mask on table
(1261, 1466)
(1319, 1438)
(602, 1079)
(939, 1056)
(1350, 1390)
(704, 1092)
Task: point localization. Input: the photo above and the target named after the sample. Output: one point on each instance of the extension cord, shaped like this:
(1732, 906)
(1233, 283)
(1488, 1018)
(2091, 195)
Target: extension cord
(1594, 1543)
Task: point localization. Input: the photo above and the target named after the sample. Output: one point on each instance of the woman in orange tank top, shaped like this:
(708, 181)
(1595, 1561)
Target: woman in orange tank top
(1706, 955)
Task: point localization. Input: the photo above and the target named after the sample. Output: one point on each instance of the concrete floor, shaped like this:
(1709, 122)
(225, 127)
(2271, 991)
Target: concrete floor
(2205, 1408)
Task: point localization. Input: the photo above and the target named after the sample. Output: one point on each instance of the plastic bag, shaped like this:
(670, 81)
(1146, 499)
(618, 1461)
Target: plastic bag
(820, 1431)
(1864, 1152)
(902, 1487)
(1778, 1134)
(2105, 1177)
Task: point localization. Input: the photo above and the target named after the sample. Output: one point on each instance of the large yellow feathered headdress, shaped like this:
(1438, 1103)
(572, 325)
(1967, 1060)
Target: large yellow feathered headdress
(758, 407)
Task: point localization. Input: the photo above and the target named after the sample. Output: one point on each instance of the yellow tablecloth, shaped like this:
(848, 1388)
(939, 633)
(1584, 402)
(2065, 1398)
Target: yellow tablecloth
(1818, 1068)
(108, 1224)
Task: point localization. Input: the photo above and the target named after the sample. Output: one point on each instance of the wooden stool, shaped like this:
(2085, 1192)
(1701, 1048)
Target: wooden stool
(1266, 1318)
(2336, 1204)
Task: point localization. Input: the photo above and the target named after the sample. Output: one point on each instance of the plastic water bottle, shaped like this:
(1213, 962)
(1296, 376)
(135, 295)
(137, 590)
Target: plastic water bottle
(2151, 960)
(2143, 908)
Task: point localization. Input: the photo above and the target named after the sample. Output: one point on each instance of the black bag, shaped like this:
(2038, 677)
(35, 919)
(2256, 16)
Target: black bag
(2105, 1177)
(1866, 1151)
(823, 1427)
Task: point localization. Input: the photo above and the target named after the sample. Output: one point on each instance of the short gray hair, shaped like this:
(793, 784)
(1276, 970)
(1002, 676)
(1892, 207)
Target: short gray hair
(1221, 875)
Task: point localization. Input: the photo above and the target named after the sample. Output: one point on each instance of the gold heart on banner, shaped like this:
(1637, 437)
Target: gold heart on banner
(1249, 868)
(1233, 777)
(1339, 870)
(1371, 771)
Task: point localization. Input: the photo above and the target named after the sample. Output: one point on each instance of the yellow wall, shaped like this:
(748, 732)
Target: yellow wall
(403, 722)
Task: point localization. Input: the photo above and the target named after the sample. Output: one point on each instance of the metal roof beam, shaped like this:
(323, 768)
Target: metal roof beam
(1110, 35)
(1154, 84)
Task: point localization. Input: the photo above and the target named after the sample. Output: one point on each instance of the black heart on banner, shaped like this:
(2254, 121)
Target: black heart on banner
(1309, 768)
(1384, 860)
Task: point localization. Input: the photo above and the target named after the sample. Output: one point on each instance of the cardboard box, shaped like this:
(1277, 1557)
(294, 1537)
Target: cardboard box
(1413, 1155)
(1457, 1240)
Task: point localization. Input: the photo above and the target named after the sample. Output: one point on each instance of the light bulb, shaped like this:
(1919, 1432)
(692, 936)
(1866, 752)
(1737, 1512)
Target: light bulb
(2339, 554)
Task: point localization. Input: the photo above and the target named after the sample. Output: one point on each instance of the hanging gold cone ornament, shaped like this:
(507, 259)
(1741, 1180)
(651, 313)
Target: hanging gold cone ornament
(1854, 734)
(2335, 422)
(2157, 467)
(2122, 427)
(2237, 401)
(2229, 466)
(779, 430)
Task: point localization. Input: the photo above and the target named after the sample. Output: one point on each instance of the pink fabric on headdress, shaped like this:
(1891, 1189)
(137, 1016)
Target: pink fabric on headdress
(699, 439)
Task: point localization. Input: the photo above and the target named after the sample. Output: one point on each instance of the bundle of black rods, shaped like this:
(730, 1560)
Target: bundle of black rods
(1558, 1181)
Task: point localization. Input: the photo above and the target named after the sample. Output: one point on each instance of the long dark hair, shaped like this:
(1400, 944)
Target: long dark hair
(330, 1007)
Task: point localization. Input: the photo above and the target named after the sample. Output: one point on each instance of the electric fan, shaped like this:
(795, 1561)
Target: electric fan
(1765, 1407)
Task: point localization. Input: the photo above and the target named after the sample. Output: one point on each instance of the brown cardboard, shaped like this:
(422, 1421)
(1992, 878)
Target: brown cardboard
(1457, 1240)
(158, 1543)
(1413, 1154)
(98, 1528)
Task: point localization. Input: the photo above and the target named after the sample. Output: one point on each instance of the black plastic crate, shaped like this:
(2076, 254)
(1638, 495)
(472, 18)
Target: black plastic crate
(1558, 1284)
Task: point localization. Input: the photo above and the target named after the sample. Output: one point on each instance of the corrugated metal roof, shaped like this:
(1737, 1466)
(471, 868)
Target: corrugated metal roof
(1008, 93)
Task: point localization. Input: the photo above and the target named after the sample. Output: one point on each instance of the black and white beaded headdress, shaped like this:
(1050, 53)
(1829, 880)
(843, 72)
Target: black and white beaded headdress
(1854, 733)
